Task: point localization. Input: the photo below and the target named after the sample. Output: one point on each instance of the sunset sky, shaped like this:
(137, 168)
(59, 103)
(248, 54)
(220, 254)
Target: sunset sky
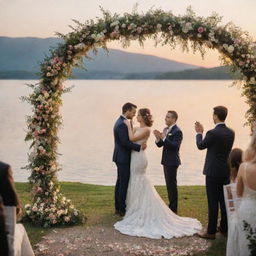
(41, 18)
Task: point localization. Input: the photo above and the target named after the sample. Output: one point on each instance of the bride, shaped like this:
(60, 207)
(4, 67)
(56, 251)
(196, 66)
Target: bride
(146, 213)
(246, 189)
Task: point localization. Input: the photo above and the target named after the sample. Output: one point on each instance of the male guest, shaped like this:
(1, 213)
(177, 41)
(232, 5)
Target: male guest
(219, 142)
(170, 139)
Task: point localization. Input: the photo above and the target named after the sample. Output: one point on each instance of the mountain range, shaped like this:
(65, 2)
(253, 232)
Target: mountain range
(20, 58)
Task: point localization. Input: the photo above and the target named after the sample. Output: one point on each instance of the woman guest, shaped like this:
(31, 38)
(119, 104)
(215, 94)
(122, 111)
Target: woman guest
(18, 242)
(246, 189)
(231, 200)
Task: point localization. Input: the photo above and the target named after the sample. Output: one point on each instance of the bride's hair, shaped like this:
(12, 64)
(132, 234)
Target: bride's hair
(250, 153)
(146, 115)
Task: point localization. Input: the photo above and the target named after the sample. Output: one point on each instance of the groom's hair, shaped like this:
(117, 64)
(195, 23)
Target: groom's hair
(128, 107)
(221, 112)
(174, 114)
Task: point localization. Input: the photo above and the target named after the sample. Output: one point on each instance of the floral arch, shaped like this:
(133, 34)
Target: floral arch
(236, 48)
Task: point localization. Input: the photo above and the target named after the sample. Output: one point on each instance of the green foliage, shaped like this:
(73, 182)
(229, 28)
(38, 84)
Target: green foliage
(251, 237)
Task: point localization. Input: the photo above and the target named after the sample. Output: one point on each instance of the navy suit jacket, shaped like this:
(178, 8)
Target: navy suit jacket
(171, 147)
(219, 142)
(123, 146)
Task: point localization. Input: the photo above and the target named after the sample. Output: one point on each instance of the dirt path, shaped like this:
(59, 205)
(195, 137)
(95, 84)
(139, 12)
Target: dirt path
(105, 241)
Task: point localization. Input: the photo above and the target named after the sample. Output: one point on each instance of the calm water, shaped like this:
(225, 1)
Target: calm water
(90, 111)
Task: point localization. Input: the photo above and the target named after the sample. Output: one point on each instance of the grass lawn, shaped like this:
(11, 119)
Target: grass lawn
(97, 203)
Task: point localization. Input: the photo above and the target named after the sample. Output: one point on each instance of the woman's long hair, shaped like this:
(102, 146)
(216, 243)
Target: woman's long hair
(3, 235)
(235, 159)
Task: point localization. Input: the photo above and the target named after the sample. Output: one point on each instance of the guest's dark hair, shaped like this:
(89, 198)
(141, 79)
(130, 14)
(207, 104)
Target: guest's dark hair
(146, 115)
(221, 112)
(128, 107)
(174, 114)
(3, 234)
(235, 159)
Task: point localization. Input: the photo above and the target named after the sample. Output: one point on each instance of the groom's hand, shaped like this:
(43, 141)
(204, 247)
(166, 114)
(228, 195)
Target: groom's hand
(143, 146)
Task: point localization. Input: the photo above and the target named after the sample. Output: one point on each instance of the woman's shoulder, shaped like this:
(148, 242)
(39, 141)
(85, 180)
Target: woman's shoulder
(145, 129)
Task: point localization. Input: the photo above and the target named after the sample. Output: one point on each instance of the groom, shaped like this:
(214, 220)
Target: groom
(170, 139)
(219, 142)
(122, 156)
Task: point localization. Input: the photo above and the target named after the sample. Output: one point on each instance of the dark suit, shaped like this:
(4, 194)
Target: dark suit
(122, 158)
(170, 162)
(219, 142)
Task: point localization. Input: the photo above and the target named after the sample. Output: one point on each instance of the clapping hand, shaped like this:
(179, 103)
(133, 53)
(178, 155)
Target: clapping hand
(158, 134)
(199, 127)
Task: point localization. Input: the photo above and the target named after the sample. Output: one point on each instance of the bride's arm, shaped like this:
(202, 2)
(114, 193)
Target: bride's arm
(240, 184)
(143, 134)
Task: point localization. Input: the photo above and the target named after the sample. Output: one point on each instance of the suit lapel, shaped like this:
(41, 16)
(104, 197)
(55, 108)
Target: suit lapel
(173, 128)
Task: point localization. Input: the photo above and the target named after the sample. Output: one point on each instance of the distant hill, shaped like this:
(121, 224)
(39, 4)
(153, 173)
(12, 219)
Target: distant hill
(199, 74)
(20, 59)
(220, 73)
(24, 54)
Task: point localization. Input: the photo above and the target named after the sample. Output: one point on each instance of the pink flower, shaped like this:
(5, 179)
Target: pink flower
(200, 30)
(43, 131)
(70, 47)
(61, 87)
(67, 219)
(114, 34)
(139, 29)
(237, 41)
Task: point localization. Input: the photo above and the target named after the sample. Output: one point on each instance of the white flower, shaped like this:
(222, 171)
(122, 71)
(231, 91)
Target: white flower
(185, 30)
(225, 46)
(34, 209)
(80, 46)
(189, 25)
(158, 27)
(252, 80)
(113, 24)
(27, 206)
(231, 48)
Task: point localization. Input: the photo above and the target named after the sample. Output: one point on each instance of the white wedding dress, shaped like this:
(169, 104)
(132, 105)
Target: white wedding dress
(232, 203)
(146, 213)
(246, 212)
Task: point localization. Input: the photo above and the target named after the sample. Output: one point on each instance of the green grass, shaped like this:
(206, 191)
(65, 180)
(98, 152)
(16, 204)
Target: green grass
(97, 203)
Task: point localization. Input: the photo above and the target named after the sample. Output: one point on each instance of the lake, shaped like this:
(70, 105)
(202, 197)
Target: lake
(93, 106)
